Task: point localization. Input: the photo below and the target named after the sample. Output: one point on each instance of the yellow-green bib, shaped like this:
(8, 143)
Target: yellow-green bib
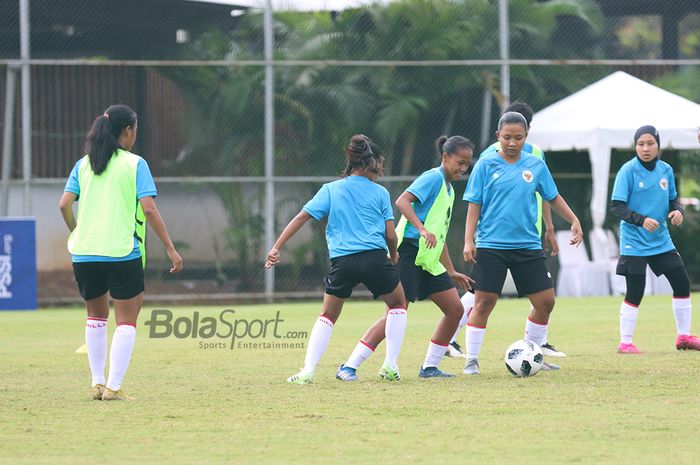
(437, 222)
(108, 210)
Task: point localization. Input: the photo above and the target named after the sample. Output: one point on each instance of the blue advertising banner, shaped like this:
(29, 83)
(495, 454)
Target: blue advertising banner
(18, 290)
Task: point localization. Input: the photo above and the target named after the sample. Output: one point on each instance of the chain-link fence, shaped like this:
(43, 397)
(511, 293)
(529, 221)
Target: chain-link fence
(403, 72)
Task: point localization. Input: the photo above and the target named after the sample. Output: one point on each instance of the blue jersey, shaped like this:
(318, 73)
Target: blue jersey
(357, 210)
(145, 187)
(425, 188)
(506, 193)
(647, 193)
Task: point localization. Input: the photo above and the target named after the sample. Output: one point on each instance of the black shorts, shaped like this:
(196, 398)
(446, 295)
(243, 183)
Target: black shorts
(123, 280)
(528, 268)
(418, 283)
(371, 268)
(659, 264)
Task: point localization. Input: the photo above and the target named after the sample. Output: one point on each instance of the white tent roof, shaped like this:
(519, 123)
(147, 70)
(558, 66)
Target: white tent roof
(298, 5)
(609, 111)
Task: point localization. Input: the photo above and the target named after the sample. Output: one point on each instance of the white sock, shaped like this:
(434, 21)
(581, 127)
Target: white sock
(96, 343)
(474, 339)
(360, 354)
(318, 342)
(120, 355)
(628, 320)
(546, 330)
(535, 332)
(394, 331)
(435, 354)
(468, 303)
(683, 311)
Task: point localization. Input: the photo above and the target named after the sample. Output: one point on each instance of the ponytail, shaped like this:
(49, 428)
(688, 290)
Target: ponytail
(362, 153)
(101, 141)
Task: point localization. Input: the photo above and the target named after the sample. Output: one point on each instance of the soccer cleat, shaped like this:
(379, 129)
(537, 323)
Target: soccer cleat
(549, 350)
(433, 372)
(346, 373)
(454, 350)
(472, 366)
(97, 391)
(301, 378)
(629, 348)
(388, 373)
(687, 342)
(549, 367)
(110, 394)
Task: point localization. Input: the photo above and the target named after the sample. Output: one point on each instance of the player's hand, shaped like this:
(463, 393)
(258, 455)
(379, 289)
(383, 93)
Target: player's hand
(469, 252)
(576, 234)
(550, 242)
(176, 260)
(461, 280)
(650, 224)
(273, 258)
(429, 237)
(394, 257)
(676, 217)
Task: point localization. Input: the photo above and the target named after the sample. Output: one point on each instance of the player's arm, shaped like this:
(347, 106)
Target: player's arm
(153, 218)
(404, 204)
(66, 207)
(392, 241)
(562, 209)
(675, 212)
(550, 237)
(462, 280)
(273, 256)
(473, 214)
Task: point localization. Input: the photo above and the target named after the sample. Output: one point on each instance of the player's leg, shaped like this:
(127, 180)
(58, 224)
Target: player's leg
(634, 270)
(96, 341)
(454, 350)
(448, 302)
(682, 307)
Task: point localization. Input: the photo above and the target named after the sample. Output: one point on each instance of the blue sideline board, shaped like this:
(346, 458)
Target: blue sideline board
(18, 286)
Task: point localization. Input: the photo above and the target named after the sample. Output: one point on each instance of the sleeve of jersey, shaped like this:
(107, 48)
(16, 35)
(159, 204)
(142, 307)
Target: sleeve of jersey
(319, 206)
(474, 193)
(72, 184)
(426, 186)
(387, 211)
(547, 187)
(621, 187)
(145, 186)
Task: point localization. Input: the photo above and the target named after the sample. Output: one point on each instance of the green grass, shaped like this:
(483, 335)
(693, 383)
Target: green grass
(234, 406)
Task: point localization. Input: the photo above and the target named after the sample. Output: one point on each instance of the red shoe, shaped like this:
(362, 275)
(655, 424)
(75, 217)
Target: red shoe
(630, 348)
(687, 342)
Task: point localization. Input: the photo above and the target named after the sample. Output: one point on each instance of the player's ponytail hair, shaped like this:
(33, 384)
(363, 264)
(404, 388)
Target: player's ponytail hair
(101, 141)
(450, 145)
(363, 154)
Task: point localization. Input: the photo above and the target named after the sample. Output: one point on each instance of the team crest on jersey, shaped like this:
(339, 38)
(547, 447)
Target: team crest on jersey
(641, 184)
(663, 183)
(496, 175)
(527, 176)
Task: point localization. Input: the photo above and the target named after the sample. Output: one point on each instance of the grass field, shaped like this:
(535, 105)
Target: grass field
(218, 405)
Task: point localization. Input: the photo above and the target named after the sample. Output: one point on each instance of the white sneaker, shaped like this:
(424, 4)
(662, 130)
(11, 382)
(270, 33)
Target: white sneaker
(550, 351)
(550, 367)
(472, 366)
(454, 350)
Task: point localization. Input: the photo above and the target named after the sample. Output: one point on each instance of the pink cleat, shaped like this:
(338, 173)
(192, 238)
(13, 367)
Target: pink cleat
(687, 342)
(630, 348)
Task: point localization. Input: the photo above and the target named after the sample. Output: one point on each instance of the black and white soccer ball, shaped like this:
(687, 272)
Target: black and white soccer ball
(524, 358)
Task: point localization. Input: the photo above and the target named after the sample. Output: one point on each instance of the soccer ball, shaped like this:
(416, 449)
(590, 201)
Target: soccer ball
(524, 358)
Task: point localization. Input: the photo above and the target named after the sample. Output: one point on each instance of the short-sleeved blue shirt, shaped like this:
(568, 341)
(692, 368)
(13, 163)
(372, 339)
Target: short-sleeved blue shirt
(425, 188)
(357, 210)
(647, 193)
(145, 187)
(506, 193)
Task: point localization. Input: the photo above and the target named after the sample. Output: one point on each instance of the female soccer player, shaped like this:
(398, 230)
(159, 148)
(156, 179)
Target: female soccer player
(425, 266)
(644, 196)
(501, 195)
(359, 233)
(111, 186)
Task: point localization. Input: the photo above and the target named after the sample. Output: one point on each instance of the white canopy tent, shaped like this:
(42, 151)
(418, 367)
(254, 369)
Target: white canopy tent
(604, 116)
